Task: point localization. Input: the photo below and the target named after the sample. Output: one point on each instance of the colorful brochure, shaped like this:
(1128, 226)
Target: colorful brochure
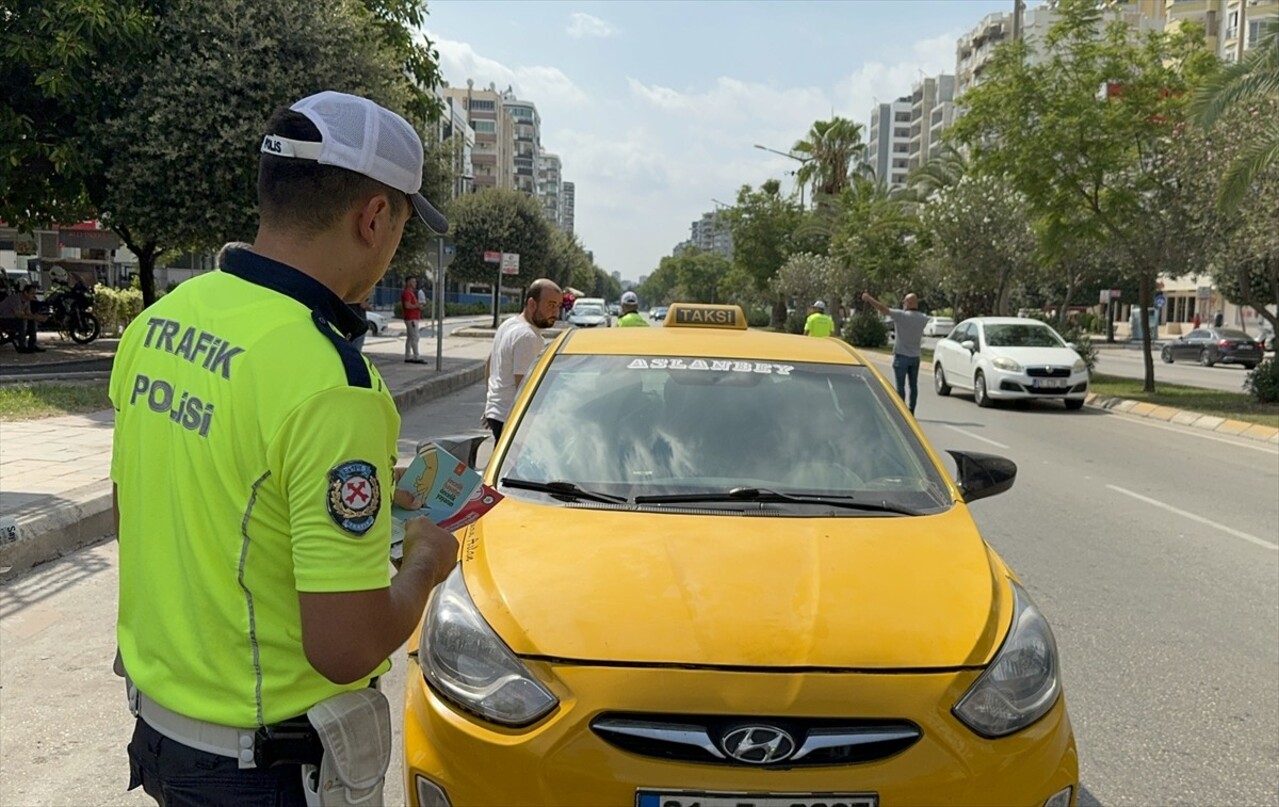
(452, 494)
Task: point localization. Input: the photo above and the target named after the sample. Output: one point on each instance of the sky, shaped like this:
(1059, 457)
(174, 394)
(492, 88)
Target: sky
(654, 106)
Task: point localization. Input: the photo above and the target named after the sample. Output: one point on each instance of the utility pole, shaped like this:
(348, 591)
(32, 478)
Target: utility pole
(1019, 8)
(1243, 30)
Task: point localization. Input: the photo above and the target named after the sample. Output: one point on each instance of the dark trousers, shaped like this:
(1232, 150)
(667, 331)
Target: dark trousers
(25, 328)
(496, 427)
(904, 368)
(176, 775)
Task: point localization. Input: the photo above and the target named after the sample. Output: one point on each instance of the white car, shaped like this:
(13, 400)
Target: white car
(589, 315)
(377, 323)
(1005, 358)
(939, 326)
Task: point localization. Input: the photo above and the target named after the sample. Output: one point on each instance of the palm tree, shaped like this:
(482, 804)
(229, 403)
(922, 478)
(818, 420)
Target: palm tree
(834, 150)
(942, 171)
(1255, 78)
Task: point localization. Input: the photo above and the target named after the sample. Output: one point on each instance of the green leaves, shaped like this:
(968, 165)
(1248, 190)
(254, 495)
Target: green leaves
(500, 221)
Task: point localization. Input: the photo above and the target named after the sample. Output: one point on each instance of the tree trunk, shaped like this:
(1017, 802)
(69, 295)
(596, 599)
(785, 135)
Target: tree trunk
(779, 312)
(1063, 313)
(147, 253)
(1143, 308)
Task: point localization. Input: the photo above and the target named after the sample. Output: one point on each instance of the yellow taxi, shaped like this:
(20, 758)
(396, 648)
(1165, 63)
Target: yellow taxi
(729, 570)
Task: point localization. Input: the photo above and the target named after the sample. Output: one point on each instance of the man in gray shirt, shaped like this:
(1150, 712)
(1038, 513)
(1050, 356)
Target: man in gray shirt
(909, 324)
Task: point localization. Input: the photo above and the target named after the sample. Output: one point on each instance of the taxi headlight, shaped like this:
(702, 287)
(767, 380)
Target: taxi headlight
(1079, 366)
(1022, 682)
(1005, 363)
(464, 660)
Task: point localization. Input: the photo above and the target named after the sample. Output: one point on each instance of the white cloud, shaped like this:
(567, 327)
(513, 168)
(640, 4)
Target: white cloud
(877, 83)
(544, 85)
(583, 25)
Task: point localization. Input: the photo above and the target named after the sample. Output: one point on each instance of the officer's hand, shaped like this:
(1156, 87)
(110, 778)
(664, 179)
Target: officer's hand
(407, 500)
(426, 543)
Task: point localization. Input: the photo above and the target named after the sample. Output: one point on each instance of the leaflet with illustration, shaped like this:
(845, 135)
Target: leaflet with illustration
(451, 492)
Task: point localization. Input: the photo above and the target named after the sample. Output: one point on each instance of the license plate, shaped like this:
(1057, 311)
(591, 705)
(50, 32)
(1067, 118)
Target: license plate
(1050, 383)
(684, 798)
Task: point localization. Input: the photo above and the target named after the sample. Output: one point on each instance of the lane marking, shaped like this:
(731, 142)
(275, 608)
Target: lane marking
(967, 433)
(1199, 519)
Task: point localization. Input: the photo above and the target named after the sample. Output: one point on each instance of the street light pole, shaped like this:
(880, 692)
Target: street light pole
(796, 158)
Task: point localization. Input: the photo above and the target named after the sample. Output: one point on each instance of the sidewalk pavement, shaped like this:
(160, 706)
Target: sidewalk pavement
(55, 472)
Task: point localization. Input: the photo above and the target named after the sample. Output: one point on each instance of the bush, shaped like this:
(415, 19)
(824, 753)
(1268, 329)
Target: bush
(1263, 382)
(795, 322)
(116, 308)
(757, 318)
(866, 330)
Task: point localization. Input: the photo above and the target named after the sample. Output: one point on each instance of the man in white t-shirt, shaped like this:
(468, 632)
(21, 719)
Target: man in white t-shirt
(516, 346)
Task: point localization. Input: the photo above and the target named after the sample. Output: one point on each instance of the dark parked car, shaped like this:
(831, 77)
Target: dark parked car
(1210, 346)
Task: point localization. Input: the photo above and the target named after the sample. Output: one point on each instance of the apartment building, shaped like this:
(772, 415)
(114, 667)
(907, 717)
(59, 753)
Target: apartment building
(1242, 24)
(526, 133)
(711, 233)
(568, 202)
(888, 147)
(975, 49)
(492, 158)
(549, 186)
(455, 130)
(927, 95)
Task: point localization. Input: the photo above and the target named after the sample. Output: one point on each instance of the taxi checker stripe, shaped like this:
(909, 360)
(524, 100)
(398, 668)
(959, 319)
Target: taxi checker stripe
(248, 596)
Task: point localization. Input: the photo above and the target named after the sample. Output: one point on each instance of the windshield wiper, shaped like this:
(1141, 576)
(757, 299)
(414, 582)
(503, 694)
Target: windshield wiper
(563, 490)
(743, 494)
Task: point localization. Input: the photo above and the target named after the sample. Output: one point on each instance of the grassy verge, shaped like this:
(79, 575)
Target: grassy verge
(1232, 405)
(28, 401)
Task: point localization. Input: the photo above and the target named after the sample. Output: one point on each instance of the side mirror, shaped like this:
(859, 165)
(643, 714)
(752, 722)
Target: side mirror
(1072, 346)
(983, 475)
(969, 345)
(466, 447)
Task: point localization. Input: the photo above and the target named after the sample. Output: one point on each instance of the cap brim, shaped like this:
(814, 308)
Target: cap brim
(427, 212)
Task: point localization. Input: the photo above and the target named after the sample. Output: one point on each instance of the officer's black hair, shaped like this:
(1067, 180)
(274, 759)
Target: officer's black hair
(305, 195)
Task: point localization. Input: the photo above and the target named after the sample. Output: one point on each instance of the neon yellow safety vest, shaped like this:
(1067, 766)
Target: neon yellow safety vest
(819, 324)
(631, 320)
(253, 457)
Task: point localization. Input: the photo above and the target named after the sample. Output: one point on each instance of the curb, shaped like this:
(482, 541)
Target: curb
(44, 378)
(1183, 417)
(84, 515)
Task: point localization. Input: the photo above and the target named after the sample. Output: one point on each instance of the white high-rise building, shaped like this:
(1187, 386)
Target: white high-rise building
(568, 201)
(888, 148)
(549, 187)
(935, 93)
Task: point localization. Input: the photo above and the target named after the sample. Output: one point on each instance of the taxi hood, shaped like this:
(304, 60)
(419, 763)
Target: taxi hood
(596, 585)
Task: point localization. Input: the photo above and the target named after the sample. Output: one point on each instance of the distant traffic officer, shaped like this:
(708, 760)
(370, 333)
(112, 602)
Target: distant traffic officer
(630, 312)
(819, 322)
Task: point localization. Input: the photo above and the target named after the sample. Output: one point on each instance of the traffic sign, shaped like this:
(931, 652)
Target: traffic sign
(492, 257)
(510, 263)
(1160, 300)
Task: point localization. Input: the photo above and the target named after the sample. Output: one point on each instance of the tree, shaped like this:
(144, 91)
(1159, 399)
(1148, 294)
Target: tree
(1077, 154)
(53, 100)
(499, 220)
(874, 237)
(806, 277)
(834, 149)
(943, 171)
(692, 276)
(162, 104)
(764, 223)
(981, 243)
(183, 153)
(1242, 240)
(1250, 82)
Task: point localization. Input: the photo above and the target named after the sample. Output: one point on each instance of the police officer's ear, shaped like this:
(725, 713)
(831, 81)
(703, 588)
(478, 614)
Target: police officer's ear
(378, 218)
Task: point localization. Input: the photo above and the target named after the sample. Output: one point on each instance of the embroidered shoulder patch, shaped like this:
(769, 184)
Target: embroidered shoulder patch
(354, 496)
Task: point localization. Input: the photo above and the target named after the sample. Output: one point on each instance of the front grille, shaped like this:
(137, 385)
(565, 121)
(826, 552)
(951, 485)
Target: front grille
(814, 741)
(1048, 372)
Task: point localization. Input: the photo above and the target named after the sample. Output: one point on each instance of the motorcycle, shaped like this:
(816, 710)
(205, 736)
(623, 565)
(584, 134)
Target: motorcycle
(70, 311)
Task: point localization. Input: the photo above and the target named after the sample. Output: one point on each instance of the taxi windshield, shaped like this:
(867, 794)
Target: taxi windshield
(627, 426)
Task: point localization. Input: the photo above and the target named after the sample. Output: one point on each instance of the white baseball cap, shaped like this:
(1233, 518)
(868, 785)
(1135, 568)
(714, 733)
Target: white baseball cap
(629, 298)
(819, 305)
(360, 136)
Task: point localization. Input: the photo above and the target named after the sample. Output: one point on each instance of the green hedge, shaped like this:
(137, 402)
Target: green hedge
(866, 330)
(1263, 382)
(756, 318)
(116, 308)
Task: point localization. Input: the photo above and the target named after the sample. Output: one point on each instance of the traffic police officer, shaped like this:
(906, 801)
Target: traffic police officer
(630, 312)
(819, 323)
(253, 465)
